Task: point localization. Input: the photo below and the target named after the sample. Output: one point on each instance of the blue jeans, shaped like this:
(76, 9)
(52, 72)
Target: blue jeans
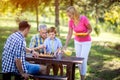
(33, 68)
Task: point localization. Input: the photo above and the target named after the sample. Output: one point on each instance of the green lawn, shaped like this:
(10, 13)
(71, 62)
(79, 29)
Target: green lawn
(104, 59)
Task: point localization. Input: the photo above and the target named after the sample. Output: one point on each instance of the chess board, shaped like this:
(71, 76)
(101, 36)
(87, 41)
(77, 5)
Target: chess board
(46, 56)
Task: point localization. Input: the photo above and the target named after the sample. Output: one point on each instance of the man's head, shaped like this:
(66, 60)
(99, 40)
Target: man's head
(24, 27)
(43, 31)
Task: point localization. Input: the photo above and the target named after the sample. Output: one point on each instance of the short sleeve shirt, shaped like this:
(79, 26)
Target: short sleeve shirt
(36, 41)
(80, 28)
(14, 49)
(52, 45)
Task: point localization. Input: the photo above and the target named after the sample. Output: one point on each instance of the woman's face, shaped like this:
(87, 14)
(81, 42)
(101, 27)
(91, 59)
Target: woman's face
(69, 15)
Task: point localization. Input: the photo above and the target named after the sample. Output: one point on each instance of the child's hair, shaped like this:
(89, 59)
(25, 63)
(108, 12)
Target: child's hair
(52, 29)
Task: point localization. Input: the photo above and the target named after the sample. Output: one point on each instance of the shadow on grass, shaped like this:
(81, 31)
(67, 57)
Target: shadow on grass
(105, 75)
(101, 64)
(99, 57)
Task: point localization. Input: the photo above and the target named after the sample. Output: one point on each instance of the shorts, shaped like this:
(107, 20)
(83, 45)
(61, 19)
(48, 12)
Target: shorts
(33, 68)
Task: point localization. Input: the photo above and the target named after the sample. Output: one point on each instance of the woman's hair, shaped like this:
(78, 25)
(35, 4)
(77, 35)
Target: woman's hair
(74, 13)
(23, 25)
(52, 29)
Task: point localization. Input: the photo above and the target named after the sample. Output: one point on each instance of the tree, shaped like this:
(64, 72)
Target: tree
(57, 15)
(112, 15)
(25, 5)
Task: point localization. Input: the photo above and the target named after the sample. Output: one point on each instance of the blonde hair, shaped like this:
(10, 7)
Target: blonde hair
(75, 14)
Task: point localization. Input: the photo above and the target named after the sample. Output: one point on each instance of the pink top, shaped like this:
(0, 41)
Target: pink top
(80, 28)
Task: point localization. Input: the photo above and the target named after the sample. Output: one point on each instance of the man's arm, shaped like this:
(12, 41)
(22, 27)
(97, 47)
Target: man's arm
(29, 50)
(33, 43)
(19, 67)
(34, 53)
(39, 47)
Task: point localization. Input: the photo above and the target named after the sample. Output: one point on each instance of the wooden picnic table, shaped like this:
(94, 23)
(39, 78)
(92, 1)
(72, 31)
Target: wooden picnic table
(70, 62)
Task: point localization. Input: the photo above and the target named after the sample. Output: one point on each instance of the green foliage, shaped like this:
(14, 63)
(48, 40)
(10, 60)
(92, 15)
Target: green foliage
(118, 29)
(114, 18)
(97, 30)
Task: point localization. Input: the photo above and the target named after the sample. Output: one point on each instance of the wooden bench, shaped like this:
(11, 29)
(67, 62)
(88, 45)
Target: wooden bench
(7, 76)
(48, 77)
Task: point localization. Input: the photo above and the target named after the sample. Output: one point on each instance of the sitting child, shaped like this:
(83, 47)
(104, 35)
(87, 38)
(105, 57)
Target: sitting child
(52, 45)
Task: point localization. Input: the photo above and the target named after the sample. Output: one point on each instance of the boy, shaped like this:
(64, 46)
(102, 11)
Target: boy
(53, 46)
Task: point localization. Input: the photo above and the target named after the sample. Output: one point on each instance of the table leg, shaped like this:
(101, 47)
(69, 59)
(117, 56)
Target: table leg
(71, 71)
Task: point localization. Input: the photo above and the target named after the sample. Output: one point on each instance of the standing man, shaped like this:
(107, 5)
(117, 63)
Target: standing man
(38, 39)
(14, 53)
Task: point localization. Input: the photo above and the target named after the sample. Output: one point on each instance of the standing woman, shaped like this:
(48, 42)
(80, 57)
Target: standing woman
(82, 41)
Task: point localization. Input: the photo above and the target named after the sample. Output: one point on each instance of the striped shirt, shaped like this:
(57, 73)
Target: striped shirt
(36, 41)
(14, 48)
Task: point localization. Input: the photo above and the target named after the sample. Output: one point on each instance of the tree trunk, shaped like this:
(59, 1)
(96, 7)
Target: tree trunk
(96, 10)
(85, 9)
(71, 2)
(37, 17)
(57, 16)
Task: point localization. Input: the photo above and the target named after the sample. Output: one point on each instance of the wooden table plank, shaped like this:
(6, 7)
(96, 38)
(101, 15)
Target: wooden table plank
(69, 61)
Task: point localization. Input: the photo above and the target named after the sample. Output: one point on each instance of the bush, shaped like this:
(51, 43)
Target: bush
(97, 30)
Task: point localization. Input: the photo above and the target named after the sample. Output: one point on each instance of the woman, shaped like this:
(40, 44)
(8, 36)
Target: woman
(82, 41)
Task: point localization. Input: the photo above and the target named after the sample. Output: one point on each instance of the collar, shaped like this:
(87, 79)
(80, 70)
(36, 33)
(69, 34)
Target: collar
(53, 39)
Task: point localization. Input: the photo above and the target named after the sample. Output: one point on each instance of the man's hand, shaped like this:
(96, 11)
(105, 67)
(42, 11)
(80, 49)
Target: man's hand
(39, 47)
(35, 54)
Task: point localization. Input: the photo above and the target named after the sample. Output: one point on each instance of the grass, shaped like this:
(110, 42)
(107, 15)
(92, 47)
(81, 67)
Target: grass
(103, 62)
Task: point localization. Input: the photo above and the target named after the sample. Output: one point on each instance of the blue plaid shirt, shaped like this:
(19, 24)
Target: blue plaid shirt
(14, 49)
(36, 41)
(52, 45)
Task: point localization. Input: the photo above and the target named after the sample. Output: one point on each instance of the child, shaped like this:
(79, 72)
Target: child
(53, 46)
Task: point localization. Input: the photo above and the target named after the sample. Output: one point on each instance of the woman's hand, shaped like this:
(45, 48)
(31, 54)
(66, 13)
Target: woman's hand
(64, 48)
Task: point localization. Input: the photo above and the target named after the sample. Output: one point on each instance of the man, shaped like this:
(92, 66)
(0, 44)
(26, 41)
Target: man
(38, 39)
(14, 53)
